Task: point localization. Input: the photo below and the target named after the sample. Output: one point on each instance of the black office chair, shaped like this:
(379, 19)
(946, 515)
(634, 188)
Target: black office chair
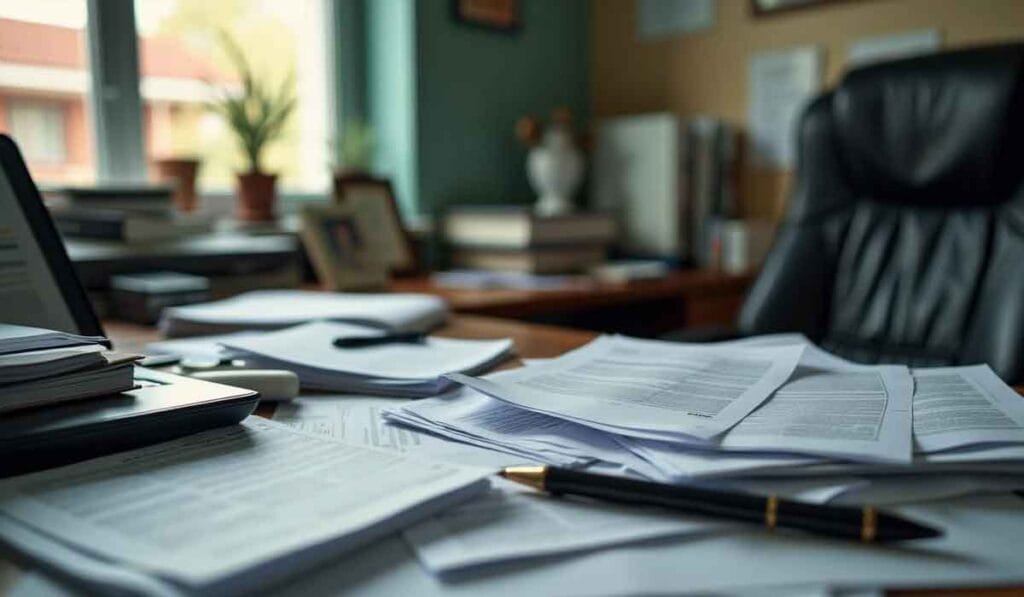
(903, 240)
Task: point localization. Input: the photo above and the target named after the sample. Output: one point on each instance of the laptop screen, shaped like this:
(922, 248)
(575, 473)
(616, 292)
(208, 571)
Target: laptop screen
(37, 285)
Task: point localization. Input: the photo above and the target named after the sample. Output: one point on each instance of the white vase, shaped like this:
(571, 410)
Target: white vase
(555, 170)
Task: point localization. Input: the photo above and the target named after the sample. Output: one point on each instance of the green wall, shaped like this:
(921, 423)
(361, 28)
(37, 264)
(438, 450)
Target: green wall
(446, 105)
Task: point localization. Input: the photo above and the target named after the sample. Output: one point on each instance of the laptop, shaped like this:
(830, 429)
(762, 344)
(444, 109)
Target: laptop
(39, 287)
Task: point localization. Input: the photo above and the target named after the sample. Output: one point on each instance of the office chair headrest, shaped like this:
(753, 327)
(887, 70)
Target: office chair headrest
(942, 130)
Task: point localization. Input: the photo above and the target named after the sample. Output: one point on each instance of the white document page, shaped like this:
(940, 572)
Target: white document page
(864, 414)
(981, 548)
(310, 346)
(513, 524)
(961, 406)
(648, 389)
(209, 507)
(359, 421)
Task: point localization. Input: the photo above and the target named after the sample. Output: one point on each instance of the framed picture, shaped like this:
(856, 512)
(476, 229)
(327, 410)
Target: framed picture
(375, 201)
(335, 238)
(771, 7)
(497, 15)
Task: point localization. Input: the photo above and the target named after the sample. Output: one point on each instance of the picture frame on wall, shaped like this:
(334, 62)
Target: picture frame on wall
(336, 240)
(497, 15)
(374, 200)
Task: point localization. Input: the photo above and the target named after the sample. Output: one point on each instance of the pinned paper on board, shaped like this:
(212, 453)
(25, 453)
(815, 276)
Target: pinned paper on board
(781, 83)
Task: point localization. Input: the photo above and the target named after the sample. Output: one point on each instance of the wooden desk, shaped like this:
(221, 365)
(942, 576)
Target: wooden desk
(643, 308)
(531, 341)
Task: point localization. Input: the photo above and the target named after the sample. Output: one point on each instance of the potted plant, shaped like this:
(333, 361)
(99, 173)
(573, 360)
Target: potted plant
(256, 116)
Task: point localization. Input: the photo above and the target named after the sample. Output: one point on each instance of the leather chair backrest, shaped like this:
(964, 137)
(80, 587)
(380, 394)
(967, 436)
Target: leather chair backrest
(904, 237)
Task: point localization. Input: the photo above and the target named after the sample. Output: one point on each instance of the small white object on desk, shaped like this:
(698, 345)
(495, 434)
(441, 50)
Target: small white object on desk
(273, 385)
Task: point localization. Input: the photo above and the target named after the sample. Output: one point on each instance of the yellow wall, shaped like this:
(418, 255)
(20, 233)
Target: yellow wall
(706, 73)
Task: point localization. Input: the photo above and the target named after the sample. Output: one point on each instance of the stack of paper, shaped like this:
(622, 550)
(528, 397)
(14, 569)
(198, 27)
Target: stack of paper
(227, 511)
(33, 364)
(274, 309)
(21, 338)
(621, 401)
(407, 369)
(42, 367)
(474, 418)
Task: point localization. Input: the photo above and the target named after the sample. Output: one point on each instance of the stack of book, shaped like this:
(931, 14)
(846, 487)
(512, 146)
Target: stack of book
(515, 239)
(41, 367)
(132, 214)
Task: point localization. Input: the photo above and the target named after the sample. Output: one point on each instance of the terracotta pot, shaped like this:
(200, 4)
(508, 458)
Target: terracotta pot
(181, 172)
(256, 197)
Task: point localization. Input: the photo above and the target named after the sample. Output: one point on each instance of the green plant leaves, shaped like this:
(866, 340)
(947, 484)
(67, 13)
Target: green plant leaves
(258, 115)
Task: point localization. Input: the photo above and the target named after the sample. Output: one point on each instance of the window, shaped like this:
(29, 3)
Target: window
(44, 88)
(183, 66)
(40, 128)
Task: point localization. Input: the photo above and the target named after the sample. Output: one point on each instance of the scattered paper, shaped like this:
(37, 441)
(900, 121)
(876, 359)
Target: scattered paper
(227, 505)
(648, 389)
(960, 406)
(359, 421)
(863, 414)
(509, 524)
(472, 417)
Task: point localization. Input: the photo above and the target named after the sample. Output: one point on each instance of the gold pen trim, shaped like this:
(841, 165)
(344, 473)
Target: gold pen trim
(533, 476)
(869, 525)
(771, 512)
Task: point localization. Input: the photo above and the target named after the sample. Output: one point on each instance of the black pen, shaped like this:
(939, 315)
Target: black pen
(864, 524)
(365, 341)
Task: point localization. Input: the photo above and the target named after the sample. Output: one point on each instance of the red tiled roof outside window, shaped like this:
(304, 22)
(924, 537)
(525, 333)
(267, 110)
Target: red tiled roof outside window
(36, 44)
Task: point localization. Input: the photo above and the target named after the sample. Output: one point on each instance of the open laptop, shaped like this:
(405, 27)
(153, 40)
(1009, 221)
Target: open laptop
(39, 287)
